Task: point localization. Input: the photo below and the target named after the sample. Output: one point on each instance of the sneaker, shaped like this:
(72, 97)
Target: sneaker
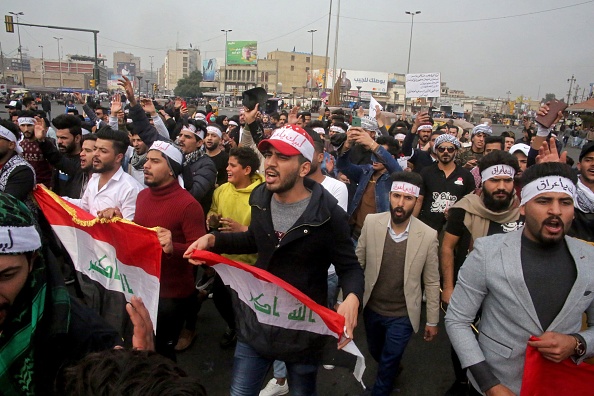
(229, 339)
(328, 366)
(273, 388)
(185, 339)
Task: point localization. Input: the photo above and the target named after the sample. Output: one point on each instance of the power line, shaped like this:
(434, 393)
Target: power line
(474, 20)
(296, 30)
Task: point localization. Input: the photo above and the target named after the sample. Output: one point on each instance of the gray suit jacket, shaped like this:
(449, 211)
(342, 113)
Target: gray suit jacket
(492, 276)
(421, 261)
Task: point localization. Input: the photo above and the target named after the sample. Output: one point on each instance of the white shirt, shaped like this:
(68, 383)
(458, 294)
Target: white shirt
(338, 189)
(119, 192)
(403, 236)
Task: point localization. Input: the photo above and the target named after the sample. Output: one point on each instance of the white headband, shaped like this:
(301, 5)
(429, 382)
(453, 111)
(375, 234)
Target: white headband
(8, 135)
(547, 184)
(425, 127)
(200, 116)
(192, 128)
(169, 150)
(320, 131)
(215, 130)
(406, 188)
(26, 121)
(233, 123)
(497, 170)
(337, 129)
(19, 239)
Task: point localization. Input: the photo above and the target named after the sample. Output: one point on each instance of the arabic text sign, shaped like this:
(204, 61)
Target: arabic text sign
(242, 52)
(423, 85)
(369, 81)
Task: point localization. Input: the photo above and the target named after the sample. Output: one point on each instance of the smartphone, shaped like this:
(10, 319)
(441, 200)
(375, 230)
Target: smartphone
(356, 122)
(555, 106)
(184, 105)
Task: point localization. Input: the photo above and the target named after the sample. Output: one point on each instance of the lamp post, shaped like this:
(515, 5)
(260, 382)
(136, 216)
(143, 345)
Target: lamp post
(147, 91)
(17, 14)
(226, 31)
(60, 62)
(508, 93)
(359, 94)
(139, 80)
(42, 67)
(412, 22)
(294, 89)
(312, 31)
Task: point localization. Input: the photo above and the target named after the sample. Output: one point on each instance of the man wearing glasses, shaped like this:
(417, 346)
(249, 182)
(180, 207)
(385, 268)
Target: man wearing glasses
(444, 183)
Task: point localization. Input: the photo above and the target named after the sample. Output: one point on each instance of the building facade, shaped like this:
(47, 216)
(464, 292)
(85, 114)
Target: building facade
(179, 64)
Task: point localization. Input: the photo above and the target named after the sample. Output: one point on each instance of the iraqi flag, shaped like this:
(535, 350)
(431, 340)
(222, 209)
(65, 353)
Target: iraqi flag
(280, 321)
(543, 377)
(117, 255)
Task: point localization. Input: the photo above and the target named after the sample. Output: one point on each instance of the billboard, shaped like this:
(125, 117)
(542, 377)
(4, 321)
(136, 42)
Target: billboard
(369, 81)
(242, 52)
(423, 85)
(127, 69)
(210, 70)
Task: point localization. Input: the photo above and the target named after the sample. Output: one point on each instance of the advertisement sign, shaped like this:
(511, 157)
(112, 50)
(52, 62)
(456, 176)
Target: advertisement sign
(127, 69)
(210, 70)
(423, 85)
(242, 52)
(369, 81)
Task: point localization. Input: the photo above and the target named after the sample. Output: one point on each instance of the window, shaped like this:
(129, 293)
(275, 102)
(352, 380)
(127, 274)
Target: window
(292, 57)
(307, 58)
(292, 68)
(307, 69)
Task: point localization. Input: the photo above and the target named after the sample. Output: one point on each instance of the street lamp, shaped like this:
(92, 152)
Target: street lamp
(312, 31)
(60, 62)
(294, 89)
(17, 14)
(226, 31)
(139, 80)
(147, 91)
(42, 67)
(412, 22)
(359, 94)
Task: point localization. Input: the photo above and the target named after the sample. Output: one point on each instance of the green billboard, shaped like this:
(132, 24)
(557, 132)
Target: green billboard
(242, 52)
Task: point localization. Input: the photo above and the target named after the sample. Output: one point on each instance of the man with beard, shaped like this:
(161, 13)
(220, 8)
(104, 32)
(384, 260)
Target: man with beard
(138, 158)
(423, 128)
(444, 183)
(535, 281)
(30, 149)
(70, 178)
(214, 149)
(399, 254)
(495, 211)
(297, 229)
(17, 176)
(469, 157)
(110, 186)
(583, 225)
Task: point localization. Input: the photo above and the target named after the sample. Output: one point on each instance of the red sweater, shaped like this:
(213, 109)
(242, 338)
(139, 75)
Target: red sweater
(173, 208)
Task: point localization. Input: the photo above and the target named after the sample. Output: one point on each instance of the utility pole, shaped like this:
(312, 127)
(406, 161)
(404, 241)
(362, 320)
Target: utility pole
(326, 60)
(60, 62)
(336, 48)
(311, 82)
(575, 95)
(412, 23)
(226, 31)
(153, 77)
(570, 81)
(42, 67)
(17, 14)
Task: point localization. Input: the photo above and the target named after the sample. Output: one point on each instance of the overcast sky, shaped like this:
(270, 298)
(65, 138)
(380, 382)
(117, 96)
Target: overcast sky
(482, 47)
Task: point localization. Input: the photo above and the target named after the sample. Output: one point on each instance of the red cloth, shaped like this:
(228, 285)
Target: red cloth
(34, 156)
(543, 377)
(175, 209)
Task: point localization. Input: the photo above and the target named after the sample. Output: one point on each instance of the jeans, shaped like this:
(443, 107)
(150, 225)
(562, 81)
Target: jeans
(279, 369)
(249, 371)
(332, 290)
(387, 338)
(170, 321)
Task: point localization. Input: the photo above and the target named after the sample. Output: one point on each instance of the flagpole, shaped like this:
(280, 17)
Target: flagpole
(326, 60)
(336, 41)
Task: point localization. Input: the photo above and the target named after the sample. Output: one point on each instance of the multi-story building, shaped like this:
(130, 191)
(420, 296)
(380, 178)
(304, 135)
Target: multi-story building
(125, 57)
(179, 63)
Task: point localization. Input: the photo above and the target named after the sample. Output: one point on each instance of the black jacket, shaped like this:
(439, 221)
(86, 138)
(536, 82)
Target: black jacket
(321, 236)
(70, 178)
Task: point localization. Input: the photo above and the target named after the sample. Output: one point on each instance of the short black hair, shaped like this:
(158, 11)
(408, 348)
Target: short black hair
(88, 136)
(548, 169)
(317, 124)
(103, 109)
(27, 113)
(305, 113)
(337, 118)
(68, 121)
(246, 157)
(509, 134)
(126, 372)
(498, 157)
(436, 132)
(393, 144)
(494, 139)
(11, 127)
(342, 125)
(119, 139)
(275, 116)
(27, 100)
(413, 178)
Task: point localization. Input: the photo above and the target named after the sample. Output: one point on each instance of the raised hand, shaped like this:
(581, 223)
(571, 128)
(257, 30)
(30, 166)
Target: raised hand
(40, 129)
(116, 105)
(125, 83)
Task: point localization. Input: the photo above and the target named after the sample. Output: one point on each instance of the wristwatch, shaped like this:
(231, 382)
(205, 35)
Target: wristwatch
(580, 348)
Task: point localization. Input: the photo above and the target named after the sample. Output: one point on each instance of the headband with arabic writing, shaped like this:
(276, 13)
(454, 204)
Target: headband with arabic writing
(497, 170)
(558, 184)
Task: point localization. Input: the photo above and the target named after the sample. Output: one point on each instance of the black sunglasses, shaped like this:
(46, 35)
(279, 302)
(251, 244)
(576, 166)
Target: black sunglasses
(448, 149)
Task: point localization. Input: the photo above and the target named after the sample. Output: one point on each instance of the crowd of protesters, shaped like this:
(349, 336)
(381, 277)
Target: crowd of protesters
(373, 220)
